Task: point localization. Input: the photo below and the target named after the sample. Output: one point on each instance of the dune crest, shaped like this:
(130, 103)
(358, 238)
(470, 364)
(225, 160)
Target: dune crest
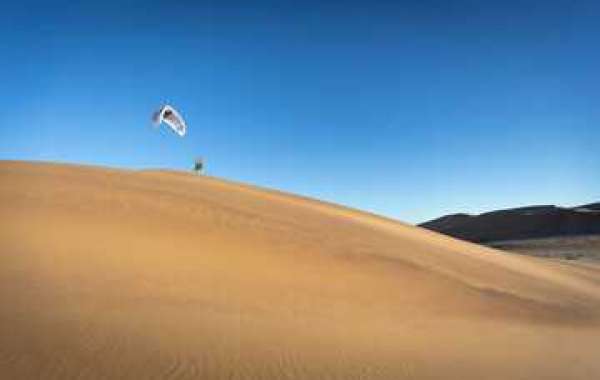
(109, 273)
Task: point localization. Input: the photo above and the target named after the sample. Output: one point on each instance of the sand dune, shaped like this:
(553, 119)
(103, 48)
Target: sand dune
(521, 223)
(162, 275)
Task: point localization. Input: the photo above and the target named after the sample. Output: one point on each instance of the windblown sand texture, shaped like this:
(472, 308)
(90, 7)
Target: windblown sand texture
(110, 274)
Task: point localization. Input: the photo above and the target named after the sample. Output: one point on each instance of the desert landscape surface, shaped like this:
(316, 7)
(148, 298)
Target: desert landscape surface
(586, 247)
(122, 274)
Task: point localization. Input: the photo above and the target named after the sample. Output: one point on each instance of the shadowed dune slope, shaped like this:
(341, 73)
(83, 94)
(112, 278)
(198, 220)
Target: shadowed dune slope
(125, 274)
(533, 222)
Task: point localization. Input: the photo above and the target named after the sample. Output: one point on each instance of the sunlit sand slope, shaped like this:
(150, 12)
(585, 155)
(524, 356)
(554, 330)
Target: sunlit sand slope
(108, 274)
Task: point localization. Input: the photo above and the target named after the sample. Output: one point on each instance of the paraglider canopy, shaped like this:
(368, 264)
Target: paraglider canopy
(168, 115)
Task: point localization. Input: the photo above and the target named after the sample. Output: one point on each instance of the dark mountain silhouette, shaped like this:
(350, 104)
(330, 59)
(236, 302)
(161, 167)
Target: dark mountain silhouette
(520, 223)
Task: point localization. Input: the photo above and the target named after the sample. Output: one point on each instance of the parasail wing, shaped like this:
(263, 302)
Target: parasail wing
(172, 118)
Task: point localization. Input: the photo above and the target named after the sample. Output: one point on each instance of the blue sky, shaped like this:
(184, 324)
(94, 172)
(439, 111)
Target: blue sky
(407, 109)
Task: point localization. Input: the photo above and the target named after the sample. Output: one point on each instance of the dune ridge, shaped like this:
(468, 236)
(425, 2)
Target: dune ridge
(108, 273)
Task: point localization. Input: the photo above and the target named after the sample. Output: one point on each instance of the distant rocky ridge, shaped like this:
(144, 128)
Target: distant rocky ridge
(531, 222)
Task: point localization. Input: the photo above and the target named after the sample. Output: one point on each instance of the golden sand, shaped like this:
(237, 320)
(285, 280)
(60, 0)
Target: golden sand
(109, 274)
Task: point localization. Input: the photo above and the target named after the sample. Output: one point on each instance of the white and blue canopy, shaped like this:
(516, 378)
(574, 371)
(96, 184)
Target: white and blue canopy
(168, 115)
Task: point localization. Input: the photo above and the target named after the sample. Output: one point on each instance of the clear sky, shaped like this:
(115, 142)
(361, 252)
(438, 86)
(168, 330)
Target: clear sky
(409, 109)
